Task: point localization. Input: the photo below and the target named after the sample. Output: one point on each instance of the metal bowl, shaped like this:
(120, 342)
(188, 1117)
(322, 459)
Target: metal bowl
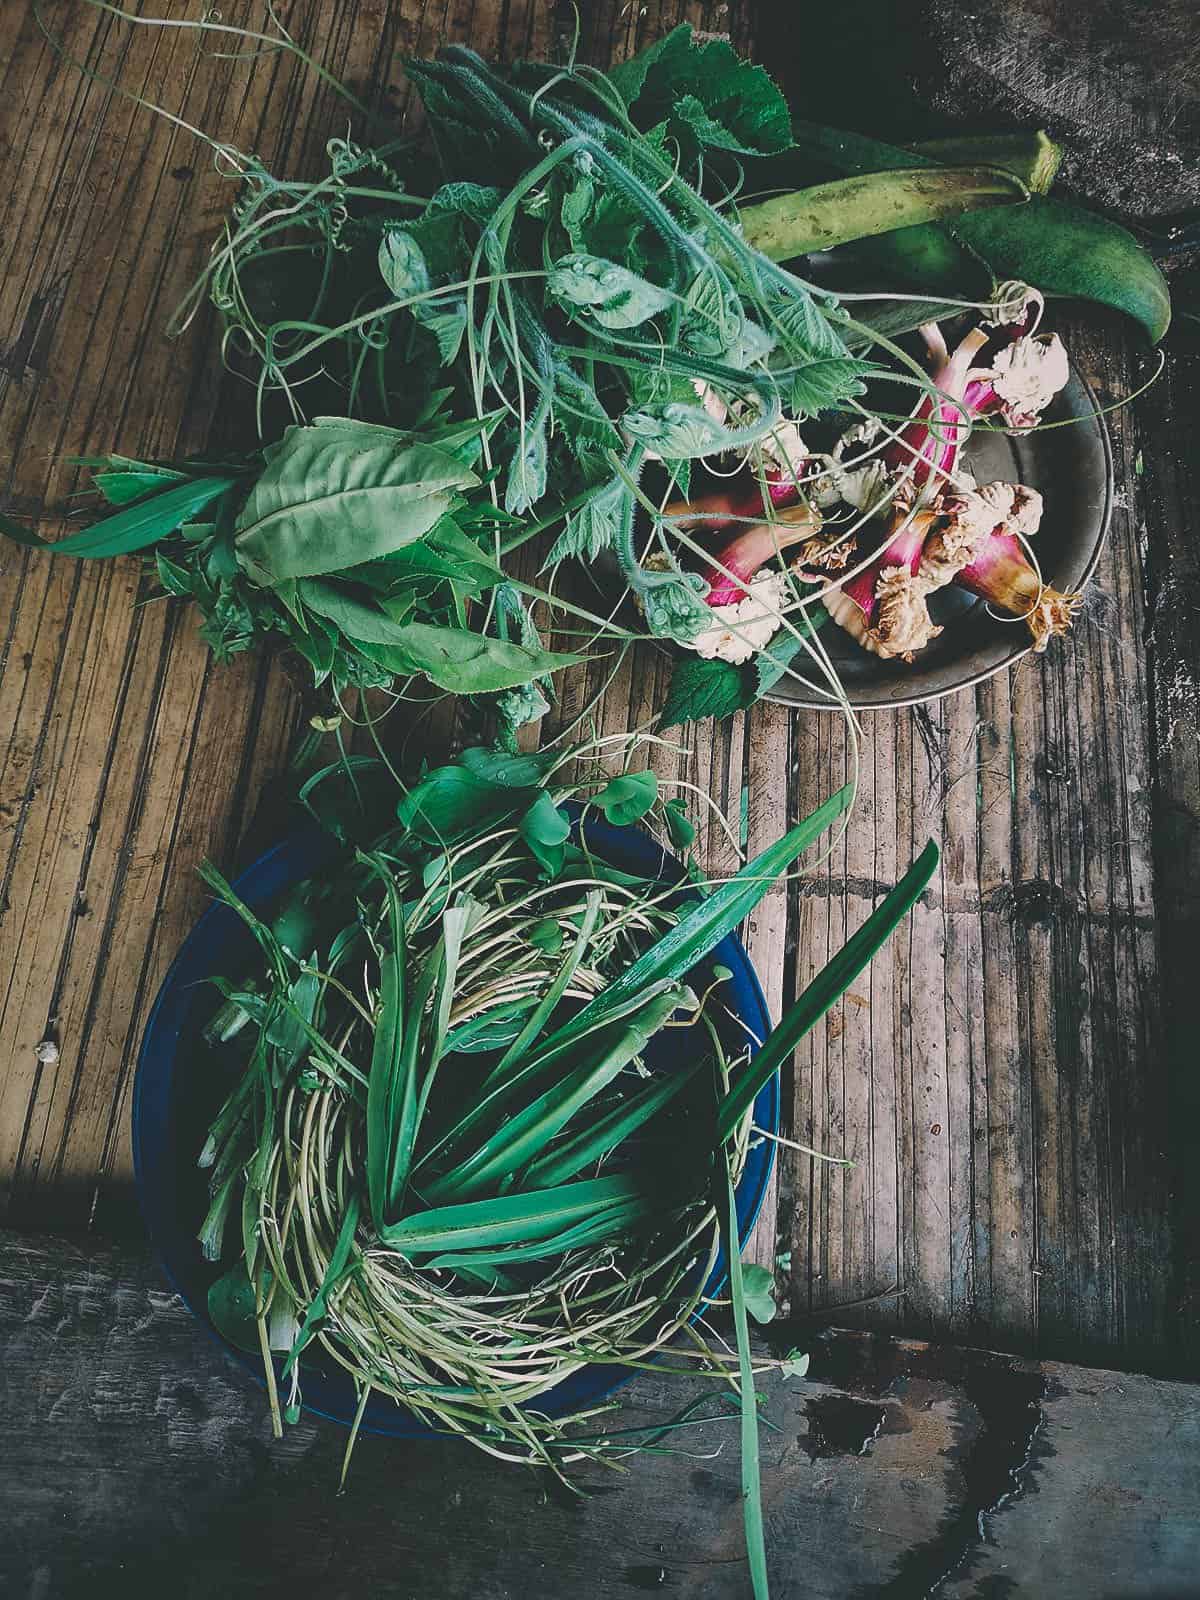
(1072, 467)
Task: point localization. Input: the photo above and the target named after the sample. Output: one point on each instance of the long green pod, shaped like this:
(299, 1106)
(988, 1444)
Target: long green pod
(1058, 248)
(829, 985)
(135, 528)
(1032, 157)
(830, 214)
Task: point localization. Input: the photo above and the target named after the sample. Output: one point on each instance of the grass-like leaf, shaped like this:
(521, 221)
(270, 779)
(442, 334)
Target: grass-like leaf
(511, 1219)
(135, 527)
(705, 923)
(829, 985)
(521, 1138)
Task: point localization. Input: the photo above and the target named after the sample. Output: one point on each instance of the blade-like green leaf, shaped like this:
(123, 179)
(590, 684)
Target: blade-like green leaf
(134, 528)
(752, 1515)
(387, 1094)
(554, 993)
(706, 922)
(511, 1219)
(339, 1261)
(526, 1134)
(606, 1224)
(590, 1144)
(529, 1073)
(831, 982)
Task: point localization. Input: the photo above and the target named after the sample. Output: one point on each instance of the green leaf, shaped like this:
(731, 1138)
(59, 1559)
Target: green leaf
(706, 922)
(681, 830)
(525, 1132)
(772, 662)
(132, 529)
(758, 1289)
(607, 1224)
(756, 1550)
(702, 688)
(678, 429)
(339, 1263)
(545, 1006)
(594, 526)
(627, 799)
(445, 317)
(590, 1144)
(604, 292)
(830, 983)
(479, 789)
(545, 830)
(471, 663)
(122, 480)
(391, 1092)
(511, 1219)
(705, 91)
(402, 264)
(336, 495)
(232, 1309)
(825, 385)
(527, 475)
(547, 935)
(795, 1364)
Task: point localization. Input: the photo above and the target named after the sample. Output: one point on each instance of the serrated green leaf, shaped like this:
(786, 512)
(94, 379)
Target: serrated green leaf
(825, 385)
(706, 92)
(703, 687)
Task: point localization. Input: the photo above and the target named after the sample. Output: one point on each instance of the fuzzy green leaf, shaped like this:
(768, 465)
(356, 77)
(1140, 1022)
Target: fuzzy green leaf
(604, 292)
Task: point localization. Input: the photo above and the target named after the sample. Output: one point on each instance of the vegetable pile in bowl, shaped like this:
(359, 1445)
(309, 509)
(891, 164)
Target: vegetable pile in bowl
(486, 1102)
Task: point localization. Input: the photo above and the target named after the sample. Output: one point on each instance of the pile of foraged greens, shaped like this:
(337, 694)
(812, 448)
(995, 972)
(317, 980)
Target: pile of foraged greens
(447, 369)
(456, 1159)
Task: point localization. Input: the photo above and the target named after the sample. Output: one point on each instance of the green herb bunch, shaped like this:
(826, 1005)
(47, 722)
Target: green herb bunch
(454, 1158)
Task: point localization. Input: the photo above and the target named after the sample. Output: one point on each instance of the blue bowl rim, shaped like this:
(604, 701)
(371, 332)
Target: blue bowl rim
(297, 856)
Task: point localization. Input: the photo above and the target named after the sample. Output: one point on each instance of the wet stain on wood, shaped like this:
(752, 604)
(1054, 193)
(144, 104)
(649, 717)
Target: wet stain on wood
(840, 1426)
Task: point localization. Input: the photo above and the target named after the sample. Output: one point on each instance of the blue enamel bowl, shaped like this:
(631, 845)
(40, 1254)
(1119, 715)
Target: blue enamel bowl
(175, 1097)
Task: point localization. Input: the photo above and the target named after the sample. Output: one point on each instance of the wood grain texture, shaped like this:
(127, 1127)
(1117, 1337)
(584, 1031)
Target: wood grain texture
(1011, 1077)
(138, 1455)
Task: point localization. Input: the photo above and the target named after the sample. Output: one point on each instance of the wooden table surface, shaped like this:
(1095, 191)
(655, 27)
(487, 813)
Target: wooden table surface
(1015, 1076)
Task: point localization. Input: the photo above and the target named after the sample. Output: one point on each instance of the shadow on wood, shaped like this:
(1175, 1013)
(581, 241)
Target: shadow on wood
(138, 1459)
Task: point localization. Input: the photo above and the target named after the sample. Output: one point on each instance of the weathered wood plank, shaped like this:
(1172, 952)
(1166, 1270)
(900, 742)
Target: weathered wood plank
(137, 1454)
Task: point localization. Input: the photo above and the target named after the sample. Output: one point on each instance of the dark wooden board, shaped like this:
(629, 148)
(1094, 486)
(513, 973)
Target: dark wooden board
(1014, 1077)
(138, 1460)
